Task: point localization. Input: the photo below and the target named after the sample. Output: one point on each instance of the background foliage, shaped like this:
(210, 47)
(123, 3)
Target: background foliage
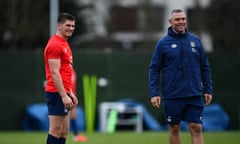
(25, 23)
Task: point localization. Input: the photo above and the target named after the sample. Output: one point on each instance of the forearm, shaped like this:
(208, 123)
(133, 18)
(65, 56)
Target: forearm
(58, 84)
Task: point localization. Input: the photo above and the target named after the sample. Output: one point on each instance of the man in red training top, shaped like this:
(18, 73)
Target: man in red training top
(59, 70)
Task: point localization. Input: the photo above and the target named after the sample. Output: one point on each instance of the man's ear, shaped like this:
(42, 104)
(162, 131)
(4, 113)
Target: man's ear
(170, 21)
(59, 26)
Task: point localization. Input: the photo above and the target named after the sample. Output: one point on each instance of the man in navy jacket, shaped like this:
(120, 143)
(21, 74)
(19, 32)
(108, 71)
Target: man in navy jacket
(180, 60)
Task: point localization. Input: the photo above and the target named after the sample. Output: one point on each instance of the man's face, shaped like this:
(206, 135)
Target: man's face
(66, 29)
(178, 22)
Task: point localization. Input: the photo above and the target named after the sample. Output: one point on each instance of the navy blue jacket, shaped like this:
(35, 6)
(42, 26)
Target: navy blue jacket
(185, 70)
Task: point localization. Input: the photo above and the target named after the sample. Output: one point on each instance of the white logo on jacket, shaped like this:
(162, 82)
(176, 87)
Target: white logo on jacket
(193, 45)
(173, 45)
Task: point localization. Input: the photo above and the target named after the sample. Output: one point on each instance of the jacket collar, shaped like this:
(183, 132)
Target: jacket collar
(177, 35)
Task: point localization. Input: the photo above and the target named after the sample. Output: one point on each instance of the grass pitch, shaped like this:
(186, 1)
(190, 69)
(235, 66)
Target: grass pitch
(229, 137)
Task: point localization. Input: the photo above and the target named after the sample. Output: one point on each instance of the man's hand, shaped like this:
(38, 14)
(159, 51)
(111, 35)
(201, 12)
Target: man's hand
(67, 101)
(156, 101)
(208, 98)
(74, 100)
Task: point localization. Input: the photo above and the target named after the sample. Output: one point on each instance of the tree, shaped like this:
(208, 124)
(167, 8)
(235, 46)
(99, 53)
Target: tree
(25, 23)
(222, 21)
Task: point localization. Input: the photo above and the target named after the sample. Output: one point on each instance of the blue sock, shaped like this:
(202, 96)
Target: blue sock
(74, 128)
(62, 140)
(52, 140)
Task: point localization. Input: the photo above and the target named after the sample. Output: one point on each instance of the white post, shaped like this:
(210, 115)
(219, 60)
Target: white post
(54, 9)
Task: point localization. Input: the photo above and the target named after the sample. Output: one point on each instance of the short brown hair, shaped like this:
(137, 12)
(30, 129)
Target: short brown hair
(62, 17)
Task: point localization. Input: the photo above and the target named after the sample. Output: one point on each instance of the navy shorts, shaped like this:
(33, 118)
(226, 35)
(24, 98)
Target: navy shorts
(189, 109)
(55, 104)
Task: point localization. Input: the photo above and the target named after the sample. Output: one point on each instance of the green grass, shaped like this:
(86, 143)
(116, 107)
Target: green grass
(230, 137)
